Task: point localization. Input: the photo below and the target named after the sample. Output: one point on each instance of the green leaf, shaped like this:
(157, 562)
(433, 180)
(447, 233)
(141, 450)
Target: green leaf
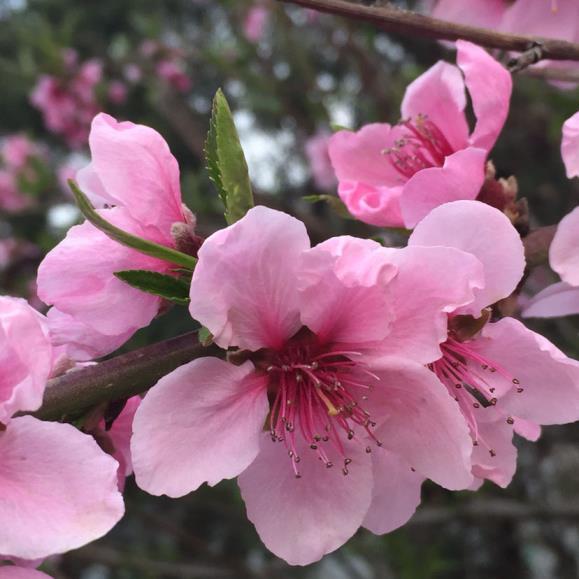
(334, 202)
(338, 128)
(226, 162)
(205, 336)
(158, 284)
(143, 245)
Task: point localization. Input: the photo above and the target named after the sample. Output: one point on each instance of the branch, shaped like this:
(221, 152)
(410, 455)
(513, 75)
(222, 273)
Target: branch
(537, 245)
(406, 22)
(69, 395)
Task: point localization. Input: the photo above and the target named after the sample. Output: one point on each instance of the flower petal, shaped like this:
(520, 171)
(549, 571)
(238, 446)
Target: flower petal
(200, 423)
(13, 572)
(421, 296)
(563, 253)
(440, 95)
(25, 357)
(301, 520)
(559, 299)
(419, 422)
(461, 177)
(374, 205)
(59, 490)
(469, 226)
(482, 13)
(352, 275)
(490, 86)
(80, 281)
(549, 379)
(396, 493)
(570, 146)
(137, 170)
(249, 270)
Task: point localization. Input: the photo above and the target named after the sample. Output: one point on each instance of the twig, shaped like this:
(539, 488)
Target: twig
(120, 377)
(537, 245)
(493, 510)
(406, 22)
(553, 74)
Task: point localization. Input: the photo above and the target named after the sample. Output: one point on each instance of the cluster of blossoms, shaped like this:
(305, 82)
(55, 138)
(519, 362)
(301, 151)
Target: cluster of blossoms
(169, 64)
(69, 101)
(350, 372)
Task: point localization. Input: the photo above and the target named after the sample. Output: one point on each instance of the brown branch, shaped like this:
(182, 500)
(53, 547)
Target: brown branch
(405, 22)
(68, 396)
(537, 245)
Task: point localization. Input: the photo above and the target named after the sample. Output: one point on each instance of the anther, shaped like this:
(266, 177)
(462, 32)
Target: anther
(368, 450)
(492, 453)
(493, 401)
(516, 381)
(350, 434)
(519, 390)
(314, 446)
(347, 461)
(510, 420)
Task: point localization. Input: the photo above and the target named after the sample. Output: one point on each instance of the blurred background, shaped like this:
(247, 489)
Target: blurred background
(291, 77)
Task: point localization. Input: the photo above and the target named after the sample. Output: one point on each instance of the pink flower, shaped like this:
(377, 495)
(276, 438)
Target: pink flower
(562, 299)
(133, 170)
(173, 73)
(17, 150)
(504, 377)
(394, 175)
(319, 159)
(57, 488)
(117, 92)
(12, 200)
(255, 22)
(327, 389)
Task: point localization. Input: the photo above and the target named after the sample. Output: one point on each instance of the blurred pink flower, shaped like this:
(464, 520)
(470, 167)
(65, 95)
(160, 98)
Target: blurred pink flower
(255, 22)
(394, 175)
(117, 92)
(319, 159)
(172, 72)
(17, 150)
(12, 199)
(57, 488)
(338, 382)
(504, 377)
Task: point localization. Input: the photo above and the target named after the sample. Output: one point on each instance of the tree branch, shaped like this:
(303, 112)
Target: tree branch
(69, 395)
(401, 21)
(537, 245)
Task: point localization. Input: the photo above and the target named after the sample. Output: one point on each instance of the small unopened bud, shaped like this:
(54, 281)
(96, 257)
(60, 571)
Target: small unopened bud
(185, 239)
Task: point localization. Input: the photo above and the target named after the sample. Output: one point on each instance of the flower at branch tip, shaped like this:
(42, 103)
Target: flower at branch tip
(504, 377)
(134, 178)
(326, 390)
(255, 22)
(394, 175)
(58, 490)
(562, 298)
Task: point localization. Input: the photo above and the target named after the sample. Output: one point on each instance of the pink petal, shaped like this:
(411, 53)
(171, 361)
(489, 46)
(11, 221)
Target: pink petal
(378, 206)
(431, 282)
(469, 225)
(396, 493)
(360, 157)
(21, 573)
(80, 342)
(559, 299)
(461, 177)
(563, 254)
(419, 422)
(570, 146)
(137, 170)
(200, 423)
(25, 357)
(352, 274)
(439, 94)
(120, 435)
(527, 429)
(481, 13)
(249, 269)
(301, 520)
(489, 85)
(79, 281)
(500, 466)
(549, 379)
(59, 490)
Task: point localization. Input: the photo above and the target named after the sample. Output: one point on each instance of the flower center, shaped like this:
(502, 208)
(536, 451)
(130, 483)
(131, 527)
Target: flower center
(422, 146)
(474, 382)
(316, 393)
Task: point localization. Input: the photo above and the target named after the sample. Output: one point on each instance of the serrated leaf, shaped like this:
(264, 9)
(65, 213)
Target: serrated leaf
(337, 128)
(142, 245)
(334, 202)
(226, 162)
(205, 336)
(158, 284)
